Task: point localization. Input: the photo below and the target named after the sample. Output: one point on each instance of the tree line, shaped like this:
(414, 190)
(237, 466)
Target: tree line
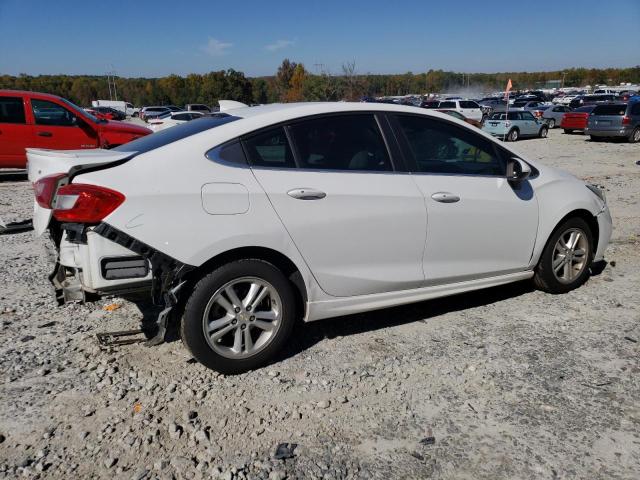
(294, 82)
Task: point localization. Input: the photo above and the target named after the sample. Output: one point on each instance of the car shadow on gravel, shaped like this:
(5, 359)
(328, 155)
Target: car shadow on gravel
(307, 335)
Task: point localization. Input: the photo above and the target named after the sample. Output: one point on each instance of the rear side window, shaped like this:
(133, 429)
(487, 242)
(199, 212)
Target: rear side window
(173, 134)
(527, 116)
(12, 110)
(269, 148)
(610, 110)
(447, 105)
(182, 116)
(49, 113)
(440, 147)
(467, 104)
(344, 142)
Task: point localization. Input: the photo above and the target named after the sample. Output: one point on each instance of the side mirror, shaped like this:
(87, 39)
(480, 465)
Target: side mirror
(517, 170)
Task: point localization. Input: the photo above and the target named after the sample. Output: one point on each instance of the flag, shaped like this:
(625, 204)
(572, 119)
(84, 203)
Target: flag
(506, 93)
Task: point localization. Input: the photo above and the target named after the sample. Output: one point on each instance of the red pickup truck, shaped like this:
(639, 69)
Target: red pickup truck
(40, 120)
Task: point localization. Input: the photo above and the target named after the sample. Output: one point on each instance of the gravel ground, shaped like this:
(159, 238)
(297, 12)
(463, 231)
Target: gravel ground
(499, 384)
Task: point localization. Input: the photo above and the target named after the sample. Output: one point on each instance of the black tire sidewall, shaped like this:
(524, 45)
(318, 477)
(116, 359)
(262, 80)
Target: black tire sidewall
(546, 132)
(191, 327)
(545, 268)
(511, 133)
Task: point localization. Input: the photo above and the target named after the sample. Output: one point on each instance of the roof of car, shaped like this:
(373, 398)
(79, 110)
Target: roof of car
(29, 93)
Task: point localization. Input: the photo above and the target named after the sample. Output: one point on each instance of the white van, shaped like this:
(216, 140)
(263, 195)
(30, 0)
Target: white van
(125, 107)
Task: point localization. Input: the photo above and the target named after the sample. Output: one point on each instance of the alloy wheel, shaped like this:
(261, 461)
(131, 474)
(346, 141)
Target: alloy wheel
(570, 255)
(242, 317)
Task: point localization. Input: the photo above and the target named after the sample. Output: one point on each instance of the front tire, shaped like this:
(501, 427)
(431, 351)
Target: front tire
(239, 316)
(513, 135)
(566, 259)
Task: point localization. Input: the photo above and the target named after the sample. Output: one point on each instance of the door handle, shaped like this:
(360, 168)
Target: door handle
(306, 194)
(45, 134)
(445, 197)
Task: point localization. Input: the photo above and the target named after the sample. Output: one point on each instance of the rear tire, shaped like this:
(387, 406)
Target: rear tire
(544, 131)
(566, 259)
(245, 326)
(513, 135)
(635, 135)
(568, 130)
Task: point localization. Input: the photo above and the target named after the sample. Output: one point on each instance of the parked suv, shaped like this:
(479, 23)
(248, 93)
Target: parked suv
(468, 108)
(30, 119)
(262, 216)
(615, 120)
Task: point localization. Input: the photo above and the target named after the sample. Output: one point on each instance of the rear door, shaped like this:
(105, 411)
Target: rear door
(16, 133)
(57, 127)
(528, 125)
(359, 225)
(478, 225)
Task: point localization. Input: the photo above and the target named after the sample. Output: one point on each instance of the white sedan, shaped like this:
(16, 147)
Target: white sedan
(245, 222)
(171, 119)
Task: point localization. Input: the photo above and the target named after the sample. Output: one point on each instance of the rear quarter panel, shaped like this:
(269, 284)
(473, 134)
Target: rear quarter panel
(164, 207)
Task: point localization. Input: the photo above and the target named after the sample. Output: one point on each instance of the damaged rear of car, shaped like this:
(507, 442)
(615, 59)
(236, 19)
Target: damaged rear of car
(91, 259)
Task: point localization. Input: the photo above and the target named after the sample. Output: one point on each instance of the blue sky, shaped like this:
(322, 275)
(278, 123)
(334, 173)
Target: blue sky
(155, 38)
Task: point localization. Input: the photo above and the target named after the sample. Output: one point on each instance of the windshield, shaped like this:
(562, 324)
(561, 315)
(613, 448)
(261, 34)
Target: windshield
(519, 104)
(610, 110)
(81, 111)
(173, 134)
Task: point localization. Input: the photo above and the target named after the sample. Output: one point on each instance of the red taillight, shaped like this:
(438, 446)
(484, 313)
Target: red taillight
(80, 203)
(45, 188)
(626, 120)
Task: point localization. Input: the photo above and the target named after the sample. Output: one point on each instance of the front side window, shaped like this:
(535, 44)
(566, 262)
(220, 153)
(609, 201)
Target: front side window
(527, 116)
(269, 148)
(439, 147)
(344, 142)
(49, 113)
(12, 110)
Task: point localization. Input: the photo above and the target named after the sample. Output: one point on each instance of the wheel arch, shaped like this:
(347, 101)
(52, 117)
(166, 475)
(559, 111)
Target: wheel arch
(582, 213)
(277, 259)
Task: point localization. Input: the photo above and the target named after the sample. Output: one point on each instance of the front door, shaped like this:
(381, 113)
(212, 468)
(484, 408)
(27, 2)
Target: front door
(16, 133)
(478, 225)
(58, 128)
(359, 225)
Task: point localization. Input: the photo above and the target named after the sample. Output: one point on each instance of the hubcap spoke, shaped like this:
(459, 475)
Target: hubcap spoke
(222, 332)
(224, 303)
(248, 341)
(267, 315)
(233, 296)
(266, 326)
(220, 322)
(237, 340)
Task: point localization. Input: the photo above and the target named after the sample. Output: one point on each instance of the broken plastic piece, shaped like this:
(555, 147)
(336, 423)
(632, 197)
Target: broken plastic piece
(15, 227)
(428, 440)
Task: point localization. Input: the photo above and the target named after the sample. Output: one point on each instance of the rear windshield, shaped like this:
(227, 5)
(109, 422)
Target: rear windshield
(610, 110)
(583, 109)
(173, 134)
(520, 104)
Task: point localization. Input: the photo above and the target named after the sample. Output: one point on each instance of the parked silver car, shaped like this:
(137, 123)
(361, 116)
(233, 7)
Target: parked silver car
(615, 120)
(553, 115)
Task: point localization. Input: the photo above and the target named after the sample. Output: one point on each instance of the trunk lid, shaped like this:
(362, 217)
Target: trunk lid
(42, 162)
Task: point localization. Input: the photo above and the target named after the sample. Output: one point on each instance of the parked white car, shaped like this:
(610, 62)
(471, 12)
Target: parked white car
(171, 119)
(248, 221)
(125, 107)
(468, 108)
